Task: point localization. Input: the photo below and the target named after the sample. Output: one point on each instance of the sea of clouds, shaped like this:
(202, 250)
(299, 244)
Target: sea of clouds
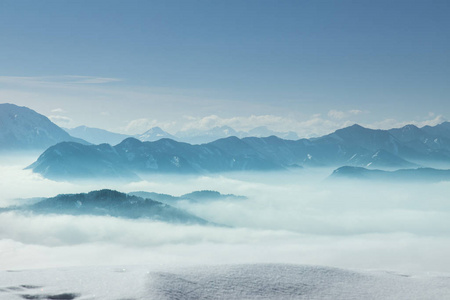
(296, 217)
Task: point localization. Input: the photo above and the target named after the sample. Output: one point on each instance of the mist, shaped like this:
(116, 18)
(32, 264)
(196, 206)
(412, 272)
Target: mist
(289, 217)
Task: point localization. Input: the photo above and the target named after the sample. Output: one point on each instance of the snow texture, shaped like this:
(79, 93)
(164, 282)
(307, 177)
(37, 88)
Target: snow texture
(252, 281)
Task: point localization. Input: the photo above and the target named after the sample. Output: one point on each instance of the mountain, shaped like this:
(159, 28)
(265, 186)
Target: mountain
(111, 203)
(196, 136)
(197, 196)
(406, 147)
(263, 131)
(96, 135)
(69, 160)
(207, 195)
(123, 161)
(409, 175)
(24, 129)
(441, 130)
(154, 134)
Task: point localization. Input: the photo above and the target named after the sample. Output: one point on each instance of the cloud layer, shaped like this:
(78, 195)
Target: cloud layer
(294, 217)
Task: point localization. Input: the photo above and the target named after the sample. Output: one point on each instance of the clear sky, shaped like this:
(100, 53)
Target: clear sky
(307, 66)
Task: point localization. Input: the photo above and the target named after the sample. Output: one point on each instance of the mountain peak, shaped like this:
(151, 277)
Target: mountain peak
(154, 134)
(24, 129)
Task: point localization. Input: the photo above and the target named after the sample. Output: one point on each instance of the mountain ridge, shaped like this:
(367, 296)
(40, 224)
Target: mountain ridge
(22, 128)
(354, 145)
(112, 203)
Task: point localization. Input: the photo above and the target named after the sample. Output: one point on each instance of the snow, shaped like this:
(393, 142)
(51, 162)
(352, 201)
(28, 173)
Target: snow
(247, 281)
(353, 156)
(176, 161)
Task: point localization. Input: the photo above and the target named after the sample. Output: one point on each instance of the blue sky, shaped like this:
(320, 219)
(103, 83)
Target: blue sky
(307, 66)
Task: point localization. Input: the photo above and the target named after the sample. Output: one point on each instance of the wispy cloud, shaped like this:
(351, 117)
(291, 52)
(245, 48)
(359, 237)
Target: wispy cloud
(339, 115)
(393, 123)
(315, 125)
(51, 80)
(60, 119)
(58, 110)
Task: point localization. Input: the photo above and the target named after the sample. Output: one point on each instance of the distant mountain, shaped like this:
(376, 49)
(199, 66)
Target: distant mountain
(96, 136)
(196, 136)
(263, 131)
(406, 147)
(75, 161)
(110, 203)
(154, 134)
(409, 175)
(78, 162)
(24, 129)
(441, 130)
(208, 195)
(197, 196)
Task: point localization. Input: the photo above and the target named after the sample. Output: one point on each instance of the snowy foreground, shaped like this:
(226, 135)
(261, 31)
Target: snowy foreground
(249, 281)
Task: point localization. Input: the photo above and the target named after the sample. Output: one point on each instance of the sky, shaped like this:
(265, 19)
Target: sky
(306, 66)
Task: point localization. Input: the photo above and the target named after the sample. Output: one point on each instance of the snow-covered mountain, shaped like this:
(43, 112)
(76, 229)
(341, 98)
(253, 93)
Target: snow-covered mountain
(24, 129)
(96, 135)
(154, 134)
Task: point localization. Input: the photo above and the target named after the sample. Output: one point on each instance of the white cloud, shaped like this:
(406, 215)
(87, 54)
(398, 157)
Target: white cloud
(355, 111)
(336, 114)
(56, 80)
(364, 227)
(314, 126)
(60, 120)
(393, 123)
(339, 115)
(58, 110)
(142, 125)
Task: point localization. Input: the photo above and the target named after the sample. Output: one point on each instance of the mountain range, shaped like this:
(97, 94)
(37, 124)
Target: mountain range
(100, 136)
(406, 147)
(109, 203)
(24, 129)
(67, 157)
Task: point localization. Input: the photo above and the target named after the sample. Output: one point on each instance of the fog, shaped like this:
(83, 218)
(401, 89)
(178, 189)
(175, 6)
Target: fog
(291, 217)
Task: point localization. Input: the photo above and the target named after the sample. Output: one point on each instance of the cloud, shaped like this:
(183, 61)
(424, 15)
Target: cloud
(355, 111)
(335, 114)
(370, 226)
(238, 123)
(314, 126)
(60, 119)
(393, 123)
(139, 126)
(46, 81)
(339, 115)
(58, 110)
